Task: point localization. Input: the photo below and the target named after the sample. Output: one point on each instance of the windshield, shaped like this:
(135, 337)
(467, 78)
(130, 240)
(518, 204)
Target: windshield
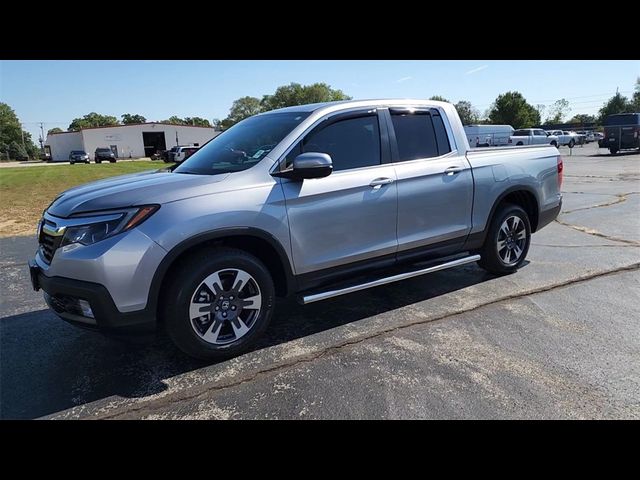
(243, 145)
(103, 150)
(77, 152)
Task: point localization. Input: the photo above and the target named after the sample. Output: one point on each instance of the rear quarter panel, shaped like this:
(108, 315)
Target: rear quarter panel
(499, 170)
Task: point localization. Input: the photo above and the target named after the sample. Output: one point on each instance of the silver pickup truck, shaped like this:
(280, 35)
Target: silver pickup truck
(313, 201)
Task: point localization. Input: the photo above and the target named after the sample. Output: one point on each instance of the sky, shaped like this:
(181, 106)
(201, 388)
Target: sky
(55, 92)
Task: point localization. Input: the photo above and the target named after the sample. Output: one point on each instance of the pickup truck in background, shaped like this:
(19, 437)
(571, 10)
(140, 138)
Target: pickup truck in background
(567, 138)
(488, 135)
(312, 201)
(621, 132)
(532, 136)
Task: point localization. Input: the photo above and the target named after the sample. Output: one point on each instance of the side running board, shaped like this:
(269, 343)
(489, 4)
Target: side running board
(316, 297)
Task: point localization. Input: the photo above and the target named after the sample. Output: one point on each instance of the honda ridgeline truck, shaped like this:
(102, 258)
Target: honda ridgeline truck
(313, 201)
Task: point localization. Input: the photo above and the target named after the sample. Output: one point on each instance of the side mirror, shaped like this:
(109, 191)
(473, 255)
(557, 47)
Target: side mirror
(309, 165)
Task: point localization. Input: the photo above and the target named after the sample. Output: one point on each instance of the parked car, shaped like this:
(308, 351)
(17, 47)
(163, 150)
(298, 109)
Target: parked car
(311, 201)
(532, 136)
(588, 135)
(565, 137)
(621, 132)
(488, 135)
(182, 153)
(598, 136)
(104, 154)
(78, 156)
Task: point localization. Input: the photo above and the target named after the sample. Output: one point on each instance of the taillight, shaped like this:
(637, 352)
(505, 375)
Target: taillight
(560, 169)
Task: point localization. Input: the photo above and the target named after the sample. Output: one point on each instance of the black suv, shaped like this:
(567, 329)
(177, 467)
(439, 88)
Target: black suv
(104, 154)
(77, 156)
(621, 132)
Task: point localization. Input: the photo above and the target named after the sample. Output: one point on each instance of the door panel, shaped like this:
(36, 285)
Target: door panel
(350, 215)
(341, 218)
(435, 184)
(434, 206)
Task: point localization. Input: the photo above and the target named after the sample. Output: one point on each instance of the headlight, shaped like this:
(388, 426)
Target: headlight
(94, 232)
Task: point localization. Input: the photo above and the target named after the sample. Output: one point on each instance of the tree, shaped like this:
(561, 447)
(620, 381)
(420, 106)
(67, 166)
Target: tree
(54, 130)
(14, 142)
(296, 94)
(558, 111)
(92, 119)
(438, 98)
(197, 121)
(616, 104)
(10, 129)
(583, 118)
(511, 108)
(540, 109)
(467, 113)
(173, 120)
(635, 100)
(242, 108)
(131, 119)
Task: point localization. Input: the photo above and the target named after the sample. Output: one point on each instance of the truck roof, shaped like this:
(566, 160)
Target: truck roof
(312, 107)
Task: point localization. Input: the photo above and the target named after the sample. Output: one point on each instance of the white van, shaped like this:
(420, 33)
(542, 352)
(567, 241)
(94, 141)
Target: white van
(488, 135)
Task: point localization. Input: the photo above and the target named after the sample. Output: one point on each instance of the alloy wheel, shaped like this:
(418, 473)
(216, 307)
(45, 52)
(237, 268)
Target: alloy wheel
(225, 306)
(512, 238)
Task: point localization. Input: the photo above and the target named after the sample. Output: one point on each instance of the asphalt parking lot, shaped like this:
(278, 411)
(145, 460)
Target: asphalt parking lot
(558, 339)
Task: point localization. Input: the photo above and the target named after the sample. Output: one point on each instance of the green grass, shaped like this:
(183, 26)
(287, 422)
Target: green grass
(26, 191)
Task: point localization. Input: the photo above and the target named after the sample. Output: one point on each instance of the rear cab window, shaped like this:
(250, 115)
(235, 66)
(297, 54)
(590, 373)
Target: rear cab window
(419, 134)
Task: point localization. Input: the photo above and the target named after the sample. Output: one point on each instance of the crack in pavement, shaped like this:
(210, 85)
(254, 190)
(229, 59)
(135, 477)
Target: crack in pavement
(622, 197)
(596, 233)
(582, 246)
(153, 406)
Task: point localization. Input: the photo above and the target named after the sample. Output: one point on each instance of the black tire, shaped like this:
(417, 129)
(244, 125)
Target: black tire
(572, 143)
(613, 151)
(554, 143)
(72, 163)
(87, 162)
(491, 260)
(187, 279)
(98, 161)
(518, 144)
(112, 161)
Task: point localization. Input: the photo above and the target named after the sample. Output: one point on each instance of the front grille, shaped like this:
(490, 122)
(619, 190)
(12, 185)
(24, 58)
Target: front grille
(48, 243)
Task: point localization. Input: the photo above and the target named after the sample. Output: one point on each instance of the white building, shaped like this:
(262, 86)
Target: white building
(127, 141)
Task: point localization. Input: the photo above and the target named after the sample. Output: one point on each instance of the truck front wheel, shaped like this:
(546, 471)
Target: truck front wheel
(218, 303)
(507, 243)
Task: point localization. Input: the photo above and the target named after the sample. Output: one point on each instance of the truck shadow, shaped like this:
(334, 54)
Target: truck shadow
(47, 366)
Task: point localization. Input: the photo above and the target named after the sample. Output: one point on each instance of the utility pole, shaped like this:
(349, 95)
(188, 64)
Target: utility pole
(42, 137)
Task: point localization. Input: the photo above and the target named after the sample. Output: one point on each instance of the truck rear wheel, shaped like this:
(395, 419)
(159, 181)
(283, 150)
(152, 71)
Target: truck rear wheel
(507, 243)
(218, 303)
(613, 151)
(572, 143)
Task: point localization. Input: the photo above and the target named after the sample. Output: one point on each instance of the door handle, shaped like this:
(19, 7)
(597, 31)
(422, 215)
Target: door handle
(378, 182)
(453, 170)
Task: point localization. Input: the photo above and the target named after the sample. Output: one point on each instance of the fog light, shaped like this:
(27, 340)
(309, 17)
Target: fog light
(86, 308)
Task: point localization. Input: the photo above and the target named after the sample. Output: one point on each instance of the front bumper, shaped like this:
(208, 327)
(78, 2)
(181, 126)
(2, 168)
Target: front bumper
(59, 292)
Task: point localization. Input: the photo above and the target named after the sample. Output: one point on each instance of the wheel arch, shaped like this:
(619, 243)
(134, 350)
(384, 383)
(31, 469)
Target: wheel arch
(253, 240)
(523, 196)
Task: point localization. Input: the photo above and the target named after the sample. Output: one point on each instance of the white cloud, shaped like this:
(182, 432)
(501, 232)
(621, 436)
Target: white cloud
(478, 69)
(404, 79)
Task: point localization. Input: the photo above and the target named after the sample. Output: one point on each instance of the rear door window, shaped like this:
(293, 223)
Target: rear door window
(415, 135)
